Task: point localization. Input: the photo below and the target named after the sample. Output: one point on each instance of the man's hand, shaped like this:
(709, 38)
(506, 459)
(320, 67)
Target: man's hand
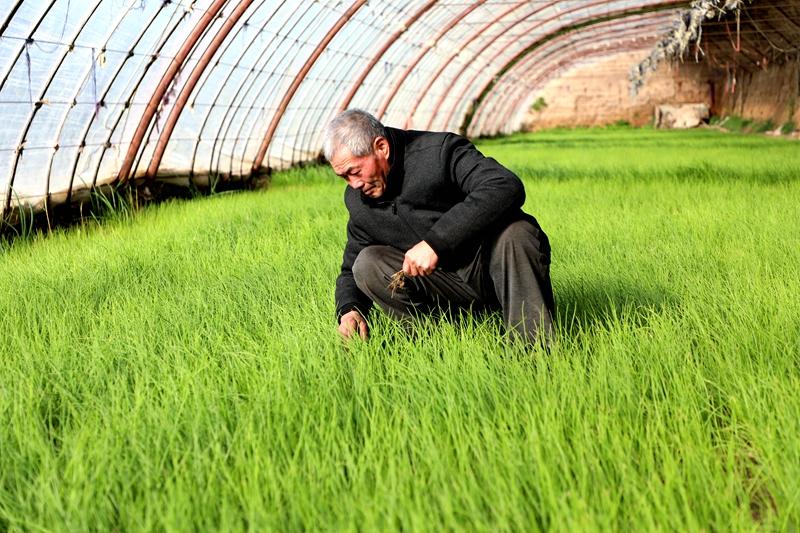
(420, 260)
(351, 322)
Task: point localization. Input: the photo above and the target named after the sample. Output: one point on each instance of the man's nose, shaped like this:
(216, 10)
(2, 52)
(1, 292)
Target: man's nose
(356, 183)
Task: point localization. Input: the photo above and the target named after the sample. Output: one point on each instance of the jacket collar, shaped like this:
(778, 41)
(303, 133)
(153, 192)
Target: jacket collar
(394, 180)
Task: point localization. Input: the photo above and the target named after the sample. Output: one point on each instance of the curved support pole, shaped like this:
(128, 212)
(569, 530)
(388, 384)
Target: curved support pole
(298, 79)
(10, 16)
(466, 64)
(447, 62)
(190, 84)
(396, 87)
(616, 28)
(166, 80)
(267, 90)
(388, 44)
(611, 39)
(610, 15)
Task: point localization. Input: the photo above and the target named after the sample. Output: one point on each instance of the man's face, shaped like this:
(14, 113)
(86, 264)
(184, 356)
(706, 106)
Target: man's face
(366, 173)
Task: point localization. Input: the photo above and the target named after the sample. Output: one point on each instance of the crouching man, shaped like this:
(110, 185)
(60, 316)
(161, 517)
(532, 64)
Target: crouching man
(432, 206)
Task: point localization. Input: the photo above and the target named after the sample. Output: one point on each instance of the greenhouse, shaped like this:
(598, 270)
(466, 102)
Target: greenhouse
(172, 240)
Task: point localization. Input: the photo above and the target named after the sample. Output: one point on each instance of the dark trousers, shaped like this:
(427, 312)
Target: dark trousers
(510, 272)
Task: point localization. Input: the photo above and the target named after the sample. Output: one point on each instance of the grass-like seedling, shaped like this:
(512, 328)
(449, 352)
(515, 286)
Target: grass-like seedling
(179, 369)
(398, 282)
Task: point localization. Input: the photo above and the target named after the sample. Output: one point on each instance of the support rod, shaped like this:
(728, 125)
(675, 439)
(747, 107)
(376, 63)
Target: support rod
(190, 84)
(166, 80)
(388, 44)
(298, 79)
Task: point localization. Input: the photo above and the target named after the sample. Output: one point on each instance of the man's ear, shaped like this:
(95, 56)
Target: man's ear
(381, 147)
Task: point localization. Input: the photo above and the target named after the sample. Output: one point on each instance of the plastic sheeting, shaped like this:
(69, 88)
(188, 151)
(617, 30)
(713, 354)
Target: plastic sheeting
(89, 89)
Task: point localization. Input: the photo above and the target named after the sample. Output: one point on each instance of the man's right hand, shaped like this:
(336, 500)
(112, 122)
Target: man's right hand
(351, 322)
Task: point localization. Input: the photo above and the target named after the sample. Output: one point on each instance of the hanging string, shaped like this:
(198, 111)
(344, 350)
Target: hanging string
(66, 18)
(28, 43)
(94, 84)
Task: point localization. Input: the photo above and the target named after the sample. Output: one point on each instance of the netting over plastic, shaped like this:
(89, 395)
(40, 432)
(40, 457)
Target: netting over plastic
(96, 92)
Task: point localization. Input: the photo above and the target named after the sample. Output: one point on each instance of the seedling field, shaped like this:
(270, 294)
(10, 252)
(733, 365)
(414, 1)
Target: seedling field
(179, 369)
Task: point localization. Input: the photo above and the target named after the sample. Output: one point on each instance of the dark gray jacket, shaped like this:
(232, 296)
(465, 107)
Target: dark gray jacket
(441, 190)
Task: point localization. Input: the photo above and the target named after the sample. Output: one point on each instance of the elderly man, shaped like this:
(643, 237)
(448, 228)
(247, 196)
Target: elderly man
(432, 206)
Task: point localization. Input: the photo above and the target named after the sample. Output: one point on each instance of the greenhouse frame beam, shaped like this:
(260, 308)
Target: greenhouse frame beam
(475, 56)
(512, 105)
(25, 42)
(37, 105)
(264, 91)
(266, 96)
(10, 17)
(234, 106)
(109, 86)
(65, 116)
(444, 64)
(518, 89)
(190, 84)
(425, 49)
(166, 80)
(388, 44)
(556, 45)
(220, 137)
(298, 79)
(611, 15)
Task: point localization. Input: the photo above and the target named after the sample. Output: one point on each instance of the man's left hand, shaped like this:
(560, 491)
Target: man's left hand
(420, 260)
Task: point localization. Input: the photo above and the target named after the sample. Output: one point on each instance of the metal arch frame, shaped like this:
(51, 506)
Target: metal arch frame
(154, 123)
(267, 96)
(332, 78)
(25, 42)
(63, 120)
(463, 128)
(312, 122)
(38, 105)
(610, 15)
(547, 48)
(506, 102)
(10, 17)
(458, 103)
(167, 78)
(445, 63)
(505, 109)
(570, 62)
(396, 111)
(421, 54)
(474, 58)
(314, 107)
(602, 52)
(66, 114)
(395, 58)
(229, 43)
(271, 97)
(220, 139)
(276, 118)
(191, 82)
(10, 189)
(379, 54)
(89, 123)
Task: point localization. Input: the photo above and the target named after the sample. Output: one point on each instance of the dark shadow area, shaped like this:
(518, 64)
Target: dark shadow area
(110, 201)
(589, 306)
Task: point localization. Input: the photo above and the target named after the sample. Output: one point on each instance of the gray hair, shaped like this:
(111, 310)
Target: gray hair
(355, 129)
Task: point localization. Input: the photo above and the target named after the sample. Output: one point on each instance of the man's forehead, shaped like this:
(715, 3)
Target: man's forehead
(344, 158)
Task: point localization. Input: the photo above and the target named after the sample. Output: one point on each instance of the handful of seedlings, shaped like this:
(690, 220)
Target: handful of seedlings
(398, 281)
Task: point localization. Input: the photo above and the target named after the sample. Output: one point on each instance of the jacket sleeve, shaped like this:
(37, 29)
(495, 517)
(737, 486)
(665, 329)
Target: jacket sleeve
(491, 192)
(348, 295)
